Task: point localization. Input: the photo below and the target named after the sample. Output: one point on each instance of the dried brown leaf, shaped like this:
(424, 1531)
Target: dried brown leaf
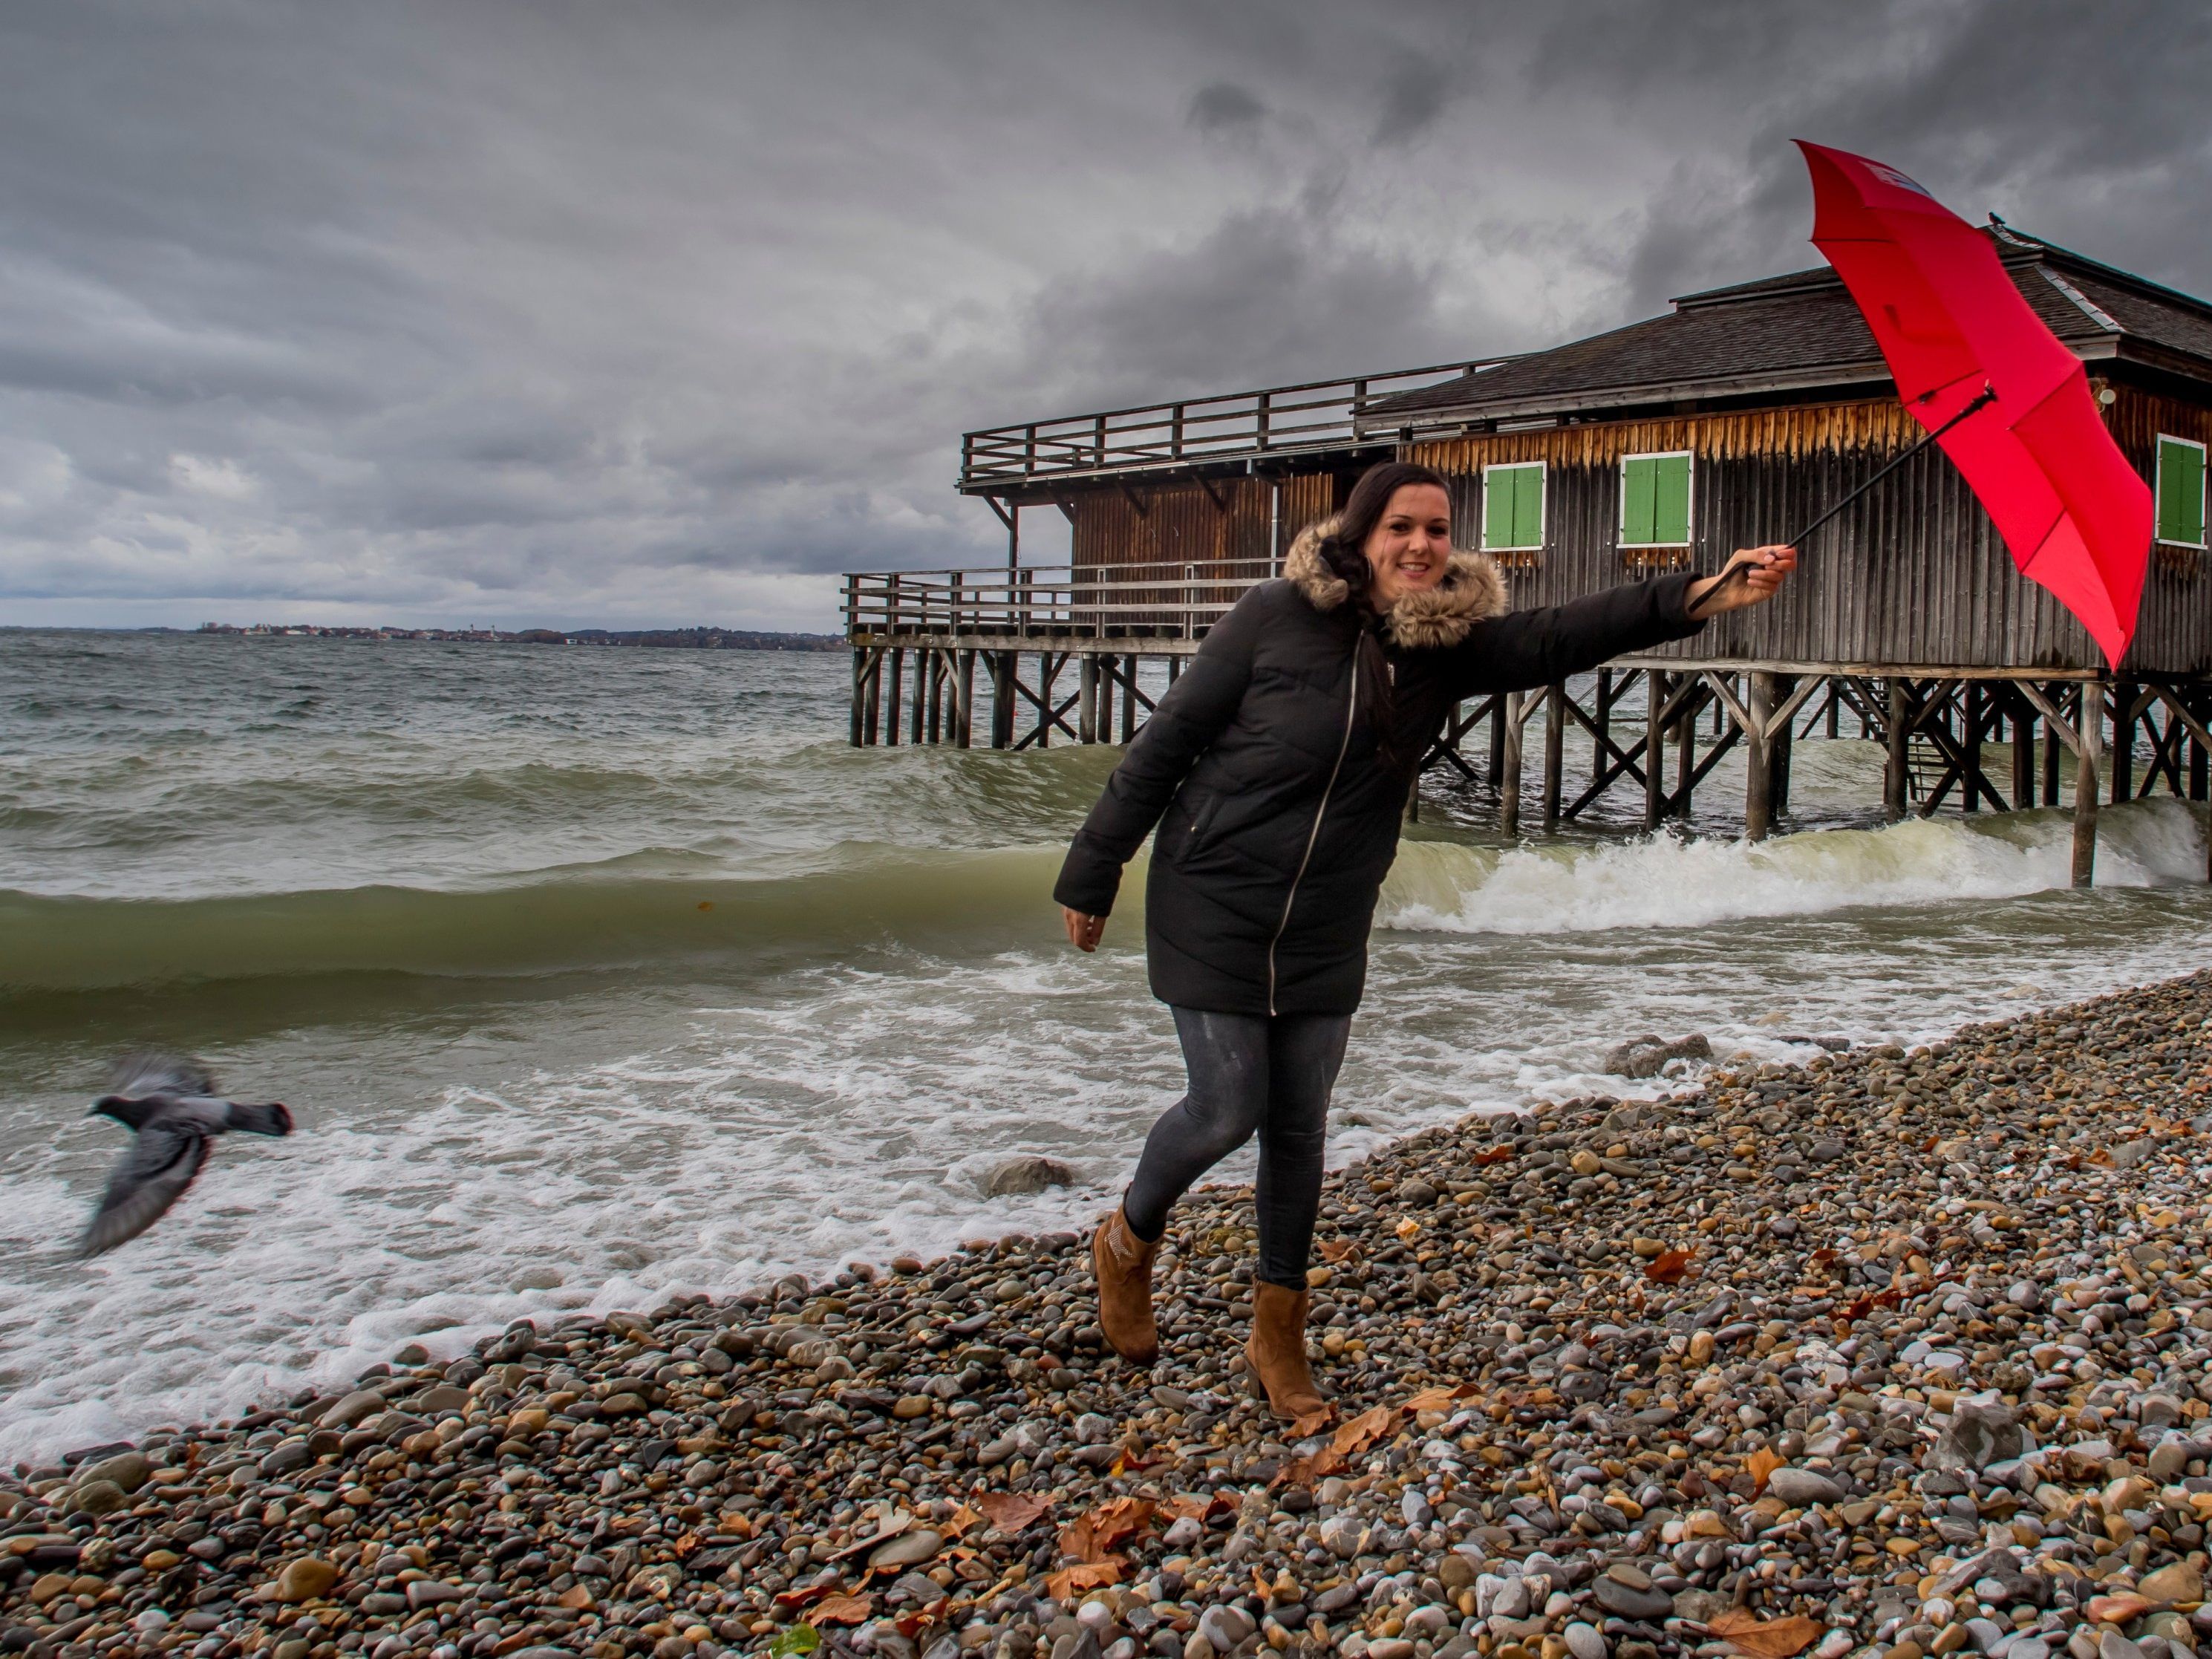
(1773, 1638)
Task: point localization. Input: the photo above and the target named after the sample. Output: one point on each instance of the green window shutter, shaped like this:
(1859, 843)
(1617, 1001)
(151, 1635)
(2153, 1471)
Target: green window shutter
(2180, 492)
(1528, 506)
(1513, 506)
(1671, 508)
(1639, 501)
(1497, 509)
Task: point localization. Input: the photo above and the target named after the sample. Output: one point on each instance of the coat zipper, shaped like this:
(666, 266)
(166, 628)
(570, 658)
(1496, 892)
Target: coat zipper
(1344, 745)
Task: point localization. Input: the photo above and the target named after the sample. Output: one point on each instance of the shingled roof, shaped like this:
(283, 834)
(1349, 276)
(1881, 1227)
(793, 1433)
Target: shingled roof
(1799, 331)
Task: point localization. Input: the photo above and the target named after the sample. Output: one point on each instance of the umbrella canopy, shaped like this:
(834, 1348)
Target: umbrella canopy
(2075, 515)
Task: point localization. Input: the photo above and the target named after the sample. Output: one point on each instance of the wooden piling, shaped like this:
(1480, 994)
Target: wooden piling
(1655, 746)
(1759, 778)
(2023, 754)
(2089, 725)
(1555, 755)
(2121, 762)
(1509, 786)
(966, 727)
(1895, 776)
(1086, 706)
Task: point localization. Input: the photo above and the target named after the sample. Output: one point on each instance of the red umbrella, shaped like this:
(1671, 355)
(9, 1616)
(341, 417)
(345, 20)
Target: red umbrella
(2076, 516)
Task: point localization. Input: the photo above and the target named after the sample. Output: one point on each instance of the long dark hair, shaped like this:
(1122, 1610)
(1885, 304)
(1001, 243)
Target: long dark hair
(1344, 550)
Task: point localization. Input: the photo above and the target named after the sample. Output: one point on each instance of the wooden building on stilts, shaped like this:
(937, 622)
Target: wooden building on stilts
(1728, 422)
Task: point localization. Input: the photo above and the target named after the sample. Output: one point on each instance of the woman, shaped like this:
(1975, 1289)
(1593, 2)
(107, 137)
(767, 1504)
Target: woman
(1276, 770)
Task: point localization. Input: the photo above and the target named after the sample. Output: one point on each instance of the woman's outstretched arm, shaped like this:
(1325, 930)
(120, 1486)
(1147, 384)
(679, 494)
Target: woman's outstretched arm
(1526, 648)
(1196, 710)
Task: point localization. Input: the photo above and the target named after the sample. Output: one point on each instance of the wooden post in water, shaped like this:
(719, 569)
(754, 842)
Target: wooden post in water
(1604, 722)
(1129, 698)
(873, 724)
(921, 672)
(1655, 745)
(1509, 786)
(966, 728)
(1899, 737)
(894, 696)
(1555, 754)
(1686, 756)
(1005, 664)
(1759, 776)
(860, 691)
(1783, 748)
(1086, 707)
(2122, 763)
(2023, 753)
(2090, 725)
(1498, 722)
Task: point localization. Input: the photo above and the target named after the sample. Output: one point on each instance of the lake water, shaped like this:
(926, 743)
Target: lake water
(591, 976)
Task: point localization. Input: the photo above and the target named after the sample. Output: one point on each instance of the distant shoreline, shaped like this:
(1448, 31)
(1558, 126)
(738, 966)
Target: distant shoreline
(675, 639)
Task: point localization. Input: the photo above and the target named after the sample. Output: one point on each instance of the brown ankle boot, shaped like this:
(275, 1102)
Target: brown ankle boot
(1276, 1350)
(1123, 1262)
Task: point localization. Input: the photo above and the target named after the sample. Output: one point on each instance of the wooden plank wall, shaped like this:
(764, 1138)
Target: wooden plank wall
(1151, 533)
(1914, 576)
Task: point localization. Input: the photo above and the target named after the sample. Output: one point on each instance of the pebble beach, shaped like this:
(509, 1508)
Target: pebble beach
(1895, 1354)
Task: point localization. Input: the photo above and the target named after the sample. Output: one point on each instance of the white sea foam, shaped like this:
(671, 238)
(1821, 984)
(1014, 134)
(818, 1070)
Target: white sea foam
(1667, 881)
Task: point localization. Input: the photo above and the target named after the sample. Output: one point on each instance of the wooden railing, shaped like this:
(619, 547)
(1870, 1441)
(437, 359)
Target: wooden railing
(1282, 420)
(1174, 601)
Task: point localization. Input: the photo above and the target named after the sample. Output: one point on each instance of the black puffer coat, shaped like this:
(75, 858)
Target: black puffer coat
(1277, 818)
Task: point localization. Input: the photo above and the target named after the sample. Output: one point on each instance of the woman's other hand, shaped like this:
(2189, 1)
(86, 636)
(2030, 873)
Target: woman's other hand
(1083, 932)
(1763, 569)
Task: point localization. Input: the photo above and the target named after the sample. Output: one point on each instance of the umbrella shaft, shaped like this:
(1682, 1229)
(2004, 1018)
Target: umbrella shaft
(1735, 573)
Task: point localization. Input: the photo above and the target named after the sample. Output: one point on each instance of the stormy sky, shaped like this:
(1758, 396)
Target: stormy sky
(662, 313)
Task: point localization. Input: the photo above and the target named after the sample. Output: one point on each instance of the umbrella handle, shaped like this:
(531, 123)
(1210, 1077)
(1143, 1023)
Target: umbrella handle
(1988, 395)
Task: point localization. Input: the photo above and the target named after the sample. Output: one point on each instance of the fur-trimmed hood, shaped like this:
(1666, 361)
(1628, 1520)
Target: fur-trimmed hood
(1436, 617)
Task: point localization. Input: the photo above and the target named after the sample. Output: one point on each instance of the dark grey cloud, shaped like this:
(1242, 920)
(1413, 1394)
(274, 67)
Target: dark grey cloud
(1224, 104)
(544, 310)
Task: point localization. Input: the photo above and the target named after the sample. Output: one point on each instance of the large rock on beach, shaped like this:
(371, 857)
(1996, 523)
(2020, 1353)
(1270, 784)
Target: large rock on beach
(1024, 1176)
(1649, 1055)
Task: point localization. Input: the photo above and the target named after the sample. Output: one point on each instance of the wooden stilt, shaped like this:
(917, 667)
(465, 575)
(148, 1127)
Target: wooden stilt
(2023, 754)
(1603, 722)
(1759, 781)
(859, 693)
(1086, 708)
(1895, 774)
(1686, 758)
(921, 714)
(1500, 718)
(1129, 698)
(1509, 786)
(1555, 753)
(872, 733)
(1049, 667)
(1654, 745)
(966, 728)
(894, 698)
(1783, 749)
(2200, 760)
(1972, 742)
(2050, 742)
(2090, 726)
(2122, 760)
(1005, 666)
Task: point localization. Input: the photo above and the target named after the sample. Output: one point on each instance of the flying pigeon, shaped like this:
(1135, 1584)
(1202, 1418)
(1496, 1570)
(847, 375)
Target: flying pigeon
(171, 1102)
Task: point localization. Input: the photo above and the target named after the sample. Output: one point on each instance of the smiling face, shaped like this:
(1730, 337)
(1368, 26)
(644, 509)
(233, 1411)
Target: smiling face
(1410, 546)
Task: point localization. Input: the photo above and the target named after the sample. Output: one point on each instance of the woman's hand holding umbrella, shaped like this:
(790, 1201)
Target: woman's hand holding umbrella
(1753, 576)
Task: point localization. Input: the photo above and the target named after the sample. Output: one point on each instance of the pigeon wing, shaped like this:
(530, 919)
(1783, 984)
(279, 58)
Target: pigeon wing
(150, 1072)
(162, 1163)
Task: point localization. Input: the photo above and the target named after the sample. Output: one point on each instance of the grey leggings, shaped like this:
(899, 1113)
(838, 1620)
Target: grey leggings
(1248, 1073)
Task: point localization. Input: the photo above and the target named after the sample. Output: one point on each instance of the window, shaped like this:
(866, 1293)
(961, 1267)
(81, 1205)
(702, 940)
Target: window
(1655, 499)
(1513, 508)
(2180, 491)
